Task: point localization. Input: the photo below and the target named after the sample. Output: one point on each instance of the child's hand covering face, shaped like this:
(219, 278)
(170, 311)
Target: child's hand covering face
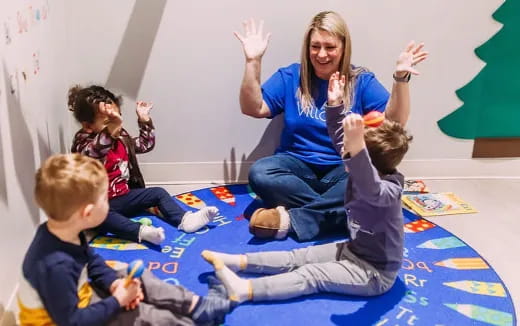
(111, 118)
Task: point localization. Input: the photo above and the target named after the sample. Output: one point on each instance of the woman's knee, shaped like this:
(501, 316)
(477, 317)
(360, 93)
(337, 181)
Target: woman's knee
(259, 173)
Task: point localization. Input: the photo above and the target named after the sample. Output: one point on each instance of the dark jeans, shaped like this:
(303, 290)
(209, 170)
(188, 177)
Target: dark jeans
(134, 203)
(314, 199)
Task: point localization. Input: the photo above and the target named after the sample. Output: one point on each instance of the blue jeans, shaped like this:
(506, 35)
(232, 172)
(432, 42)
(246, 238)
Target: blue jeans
(134, 203)
(315, 202)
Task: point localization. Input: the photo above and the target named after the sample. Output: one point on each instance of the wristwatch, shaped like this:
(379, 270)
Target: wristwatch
(404, 79)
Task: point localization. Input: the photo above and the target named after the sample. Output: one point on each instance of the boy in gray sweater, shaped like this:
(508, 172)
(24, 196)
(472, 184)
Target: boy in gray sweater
(368, 264)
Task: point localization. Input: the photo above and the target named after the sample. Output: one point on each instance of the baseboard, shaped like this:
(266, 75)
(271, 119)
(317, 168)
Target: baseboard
(236, 172)
(8, 315)
(489, 168)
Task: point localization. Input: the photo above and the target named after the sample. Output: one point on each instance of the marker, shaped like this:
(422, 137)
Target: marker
(191, 200)
(418, 226)
(224, 194)
(463, 263)
(477, 287)
(442, 243)
(486, 315)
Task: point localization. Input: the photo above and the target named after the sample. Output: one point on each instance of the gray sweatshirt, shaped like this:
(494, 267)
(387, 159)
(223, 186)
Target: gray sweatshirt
(372, 203)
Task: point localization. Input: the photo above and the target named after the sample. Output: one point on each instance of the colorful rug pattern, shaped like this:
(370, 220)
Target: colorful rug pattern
(442, 281)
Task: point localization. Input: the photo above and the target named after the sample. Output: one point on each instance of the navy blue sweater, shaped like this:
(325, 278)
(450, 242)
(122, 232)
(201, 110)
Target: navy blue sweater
(56, 282)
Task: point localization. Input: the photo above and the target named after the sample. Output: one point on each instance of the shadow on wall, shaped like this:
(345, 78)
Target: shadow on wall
(44, 146)
(132, 56)
(61, 134)
(129, 66)
(3, 181)
(44, 143)
(266, 146)
(23, 150)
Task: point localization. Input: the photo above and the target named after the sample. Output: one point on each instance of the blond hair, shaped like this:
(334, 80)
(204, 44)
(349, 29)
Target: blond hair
(387, 145)
(65, 182)
(331, 22)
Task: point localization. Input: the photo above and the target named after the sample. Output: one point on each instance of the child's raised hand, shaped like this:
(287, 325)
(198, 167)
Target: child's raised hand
(110, 111)
(353, 134)
(113, 120)
(143, 110)
(336, 89)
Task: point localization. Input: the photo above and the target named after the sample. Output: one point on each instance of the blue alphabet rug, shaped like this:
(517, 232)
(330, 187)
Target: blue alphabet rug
(442, 281)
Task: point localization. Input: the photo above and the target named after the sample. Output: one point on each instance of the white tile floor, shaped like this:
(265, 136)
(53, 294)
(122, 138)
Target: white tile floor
(494, 232)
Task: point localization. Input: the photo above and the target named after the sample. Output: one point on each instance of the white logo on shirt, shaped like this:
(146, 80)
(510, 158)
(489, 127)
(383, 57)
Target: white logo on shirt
(354, 227)
(313, 113)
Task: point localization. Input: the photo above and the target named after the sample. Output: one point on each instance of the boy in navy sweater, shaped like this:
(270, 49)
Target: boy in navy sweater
(66, 283)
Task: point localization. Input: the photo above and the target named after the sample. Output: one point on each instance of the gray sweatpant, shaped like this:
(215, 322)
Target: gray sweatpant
(324, 268)
(164, 304)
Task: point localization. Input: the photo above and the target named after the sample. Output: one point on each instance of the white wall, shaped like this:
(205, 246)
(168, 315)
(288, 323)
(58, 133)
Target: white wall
(32, 121)
(195, 65)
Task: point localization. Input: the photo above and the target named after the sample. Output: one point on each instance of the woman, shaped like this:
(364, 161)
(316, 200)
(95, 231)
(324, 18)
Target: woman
(304, 180)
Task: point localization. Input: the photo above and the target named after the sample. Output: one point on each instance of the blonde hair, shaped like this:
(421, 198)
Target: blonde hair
(331, 22)
(65, 182)
(387, 144)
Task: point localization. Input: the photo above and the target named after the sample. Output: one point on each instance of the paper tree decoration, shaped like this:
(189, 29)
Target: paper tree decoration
(491, 111)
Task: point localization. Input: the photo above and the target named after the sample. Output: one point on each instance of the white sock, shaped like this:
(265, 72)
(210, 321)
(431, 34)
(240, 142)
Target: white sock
(192, 222)
(234, 262)
(151, 234)
(285, 223)
(239, 289)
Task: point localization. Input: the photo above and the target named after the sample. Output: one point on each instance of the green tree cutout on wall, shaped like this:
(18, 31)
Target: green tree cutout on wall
(491, 110)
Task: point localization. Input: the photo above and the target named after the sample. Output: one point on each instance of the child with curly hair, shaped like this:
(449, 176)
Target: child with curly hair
(103, 137)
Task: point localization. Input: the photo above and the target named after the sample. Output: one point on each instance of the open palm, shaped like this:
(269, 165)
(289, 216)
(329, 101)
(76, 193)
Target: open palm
(143, 110)
(336, 89)
(411, 56)
(253, 41)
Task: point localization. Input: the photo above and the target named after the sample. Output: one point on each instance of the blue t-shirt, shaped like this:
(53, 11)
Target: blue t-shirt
(304, 135)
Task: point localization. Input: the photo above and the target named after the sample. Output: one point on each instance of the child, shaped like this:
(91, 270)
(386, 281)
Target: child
(368, 264)
(103, 137)
(66, 283)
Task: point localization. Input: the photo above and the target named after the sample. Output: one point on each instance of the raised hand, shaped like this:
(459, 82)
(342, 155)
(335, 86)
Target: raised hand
(113, 120)
(411, 56)
(143, 110)
(336, 89)
(353, 134)
(253, 41)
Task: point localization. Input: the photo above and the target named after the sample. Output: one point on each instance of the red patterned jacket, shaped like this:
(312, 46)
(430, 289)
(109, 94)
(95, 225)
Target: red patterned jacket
(118, 155)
